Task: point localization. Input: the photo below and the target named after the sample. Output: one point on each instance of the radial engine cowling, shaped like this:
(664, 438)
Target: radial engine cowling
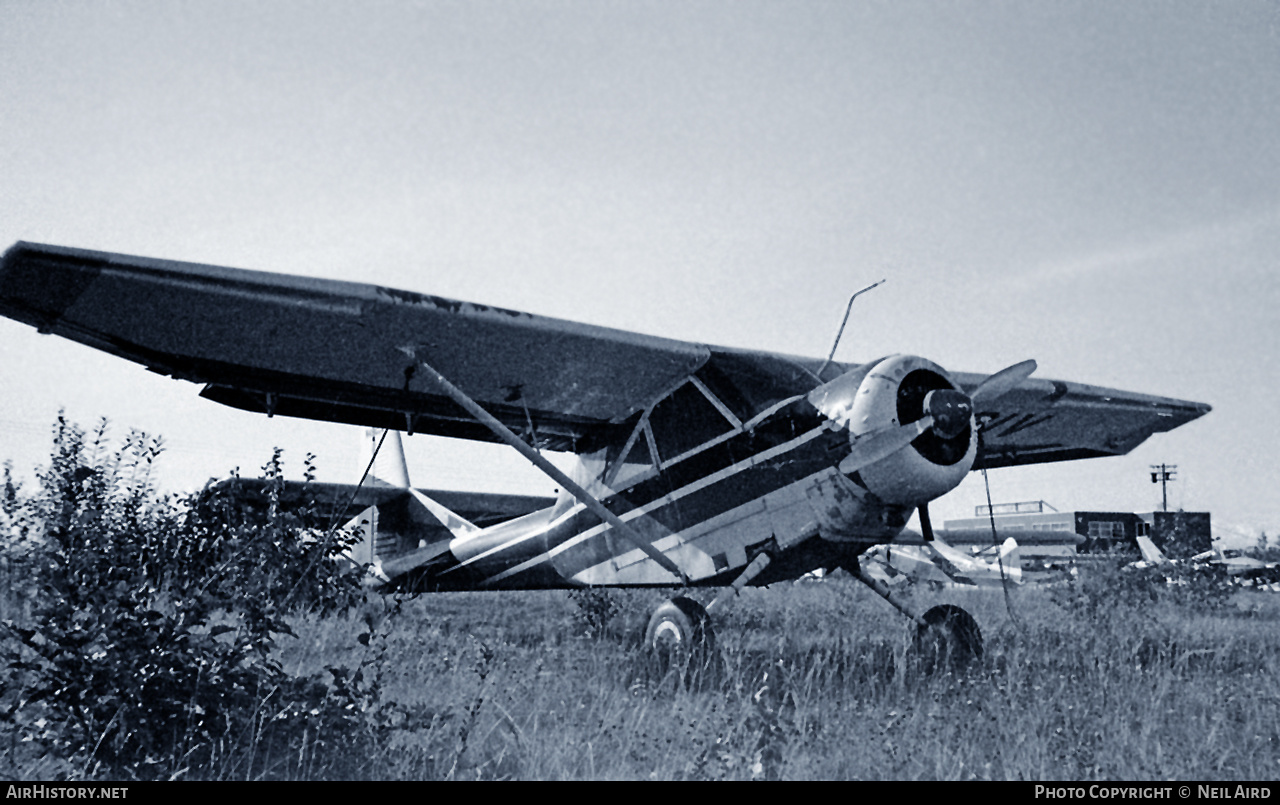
(898, 391)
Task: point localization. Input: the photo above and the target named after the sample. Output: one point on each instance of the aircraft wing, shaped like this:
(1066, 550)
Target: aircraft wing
(349, 352)
(939, 562)
(341, 351)
(1052, 420)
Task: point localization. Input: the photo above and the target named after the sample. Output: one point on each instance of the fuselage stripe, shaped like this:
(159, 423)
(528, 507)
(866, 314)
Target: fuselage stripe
(658, 503)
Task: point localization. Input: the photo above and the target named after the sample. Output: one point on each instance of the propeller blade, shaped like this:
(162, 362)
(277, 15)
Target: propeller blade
(1003, 381)
(926, 525)
(871, 447)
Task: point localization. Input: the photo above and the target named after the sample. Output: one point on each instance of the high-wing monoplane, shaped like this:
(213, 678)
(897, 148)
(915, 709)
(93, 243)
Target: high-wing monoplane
(695, 465)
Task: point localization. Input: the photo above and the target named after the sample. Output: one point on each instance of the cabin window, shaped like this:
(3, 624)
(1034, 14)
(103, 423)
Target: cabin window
(686, 420)
(677, 426)
(627, 462)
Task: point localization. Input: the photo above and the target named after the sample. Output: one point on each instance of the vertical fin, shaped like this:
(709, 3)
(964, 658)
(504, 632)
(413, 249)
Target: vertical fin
(1010, 555)
(389, 468)
(383, 453)
(1150, 552)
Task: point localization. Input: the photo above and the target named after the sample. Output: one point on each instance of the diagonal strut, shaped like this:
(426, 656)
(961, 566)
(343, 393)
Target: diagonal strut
(586, 498)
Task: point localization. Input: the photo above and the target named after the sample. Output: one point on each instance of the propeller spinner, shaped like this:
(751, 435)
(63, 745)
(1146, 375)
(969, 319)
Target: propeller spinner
(926, 410)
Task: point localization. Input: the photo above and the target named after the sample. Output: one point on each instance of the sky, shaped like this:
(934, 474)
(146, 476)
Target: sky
(1093, 185)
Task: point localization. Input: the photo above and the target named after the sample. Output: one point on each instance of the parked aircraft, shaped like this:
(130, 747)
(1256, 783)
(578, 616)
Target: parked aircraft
(1240, 565)
(1243, 570)
(390, 517)
(695, 465)
(937, 562)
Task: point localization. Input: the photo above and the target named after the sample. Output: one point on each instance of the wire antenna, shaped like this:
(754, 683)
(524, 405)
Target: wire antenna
(995, 540)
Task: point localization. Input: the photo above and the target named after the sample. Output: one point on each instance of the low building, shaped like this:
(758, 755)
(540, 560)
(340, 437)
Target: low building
(1179, 534)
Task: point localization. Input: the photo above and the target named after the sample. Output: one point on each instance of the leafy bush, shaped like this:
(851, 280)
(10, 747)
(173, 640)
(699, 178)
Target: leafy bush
(595, 609)
(148, 650)
(1109, 590)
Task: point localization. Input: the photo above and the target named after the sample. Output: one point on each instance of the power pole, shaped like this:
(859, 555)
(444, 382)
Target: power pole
(1162, 474)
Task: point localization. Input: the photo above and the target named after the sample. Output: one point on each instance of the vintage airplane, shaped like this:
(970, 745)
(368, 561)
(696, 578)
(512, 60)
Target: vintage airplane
(696, 465)
(935, 561)
(1239, 568)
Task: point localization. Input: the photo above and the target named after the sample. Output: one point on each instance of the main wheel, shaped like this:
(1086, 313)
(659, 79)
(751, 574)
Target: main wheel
(950, 640)
(679, 635)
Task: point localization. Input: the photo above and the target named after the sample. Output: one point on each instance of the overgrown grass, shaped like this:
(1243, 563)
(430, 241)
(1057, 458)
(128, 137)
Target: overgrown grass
(815, 683)
(1118, 676)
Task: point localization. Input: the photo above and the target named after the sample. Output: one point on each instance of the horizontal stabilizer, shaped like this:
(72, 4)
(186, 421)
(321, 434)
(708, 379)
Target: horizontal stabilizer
(383, 455)
(340, 502)
(458, 526)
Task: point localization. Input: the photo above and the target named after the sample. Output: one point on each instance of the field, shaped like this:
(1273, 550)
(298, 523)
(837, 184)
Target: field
(815, 683)
(152, 638)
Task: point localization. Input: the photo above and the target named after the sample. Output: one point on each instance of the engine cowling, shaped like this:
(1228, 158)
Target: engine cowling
(897, 391)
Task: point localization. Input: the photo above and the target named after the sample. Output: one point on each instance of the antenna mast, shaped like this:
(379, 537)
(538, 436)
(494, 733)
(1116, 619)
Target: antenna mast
(845, 321)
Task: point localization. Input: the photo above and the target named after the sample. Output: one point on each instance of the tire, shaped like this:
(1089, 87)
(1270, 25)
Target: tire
(679, 636)
(950, 640)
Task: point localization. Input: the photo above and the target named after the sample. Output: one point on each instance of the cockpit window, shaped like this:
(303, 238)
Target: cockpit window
(627, 462)
(685, 420)
(678, 425)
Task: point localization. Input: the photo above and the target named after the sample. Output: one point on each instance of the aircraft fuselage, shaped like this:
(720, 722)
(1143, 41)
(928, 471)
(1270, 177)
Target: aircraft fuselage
(772, 487)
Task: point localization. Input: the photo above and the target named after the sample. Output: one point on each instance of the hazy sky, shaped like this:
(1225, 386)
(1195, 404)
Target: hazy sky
(1094, 185)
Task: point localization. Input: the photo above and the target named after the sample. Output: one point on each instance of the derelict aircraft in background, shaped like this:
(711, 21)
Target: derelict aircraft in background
(936, 562)
(696, 465)
(1236, 566)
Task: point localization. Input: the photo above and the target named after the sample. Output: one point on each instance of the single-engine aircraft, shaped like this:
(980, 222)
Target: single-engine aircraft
(1239, 568)
(696, 465)
(936, 562)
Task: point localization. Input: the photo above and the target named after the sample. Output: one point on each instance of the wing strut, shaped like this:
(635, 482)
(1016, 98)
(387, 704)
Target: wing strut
(586, 498)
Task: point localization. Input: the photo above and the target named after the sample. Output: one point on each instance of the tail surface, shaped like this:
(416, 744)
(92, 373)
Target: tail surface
(383, 453)
(1150, 552)
(1010, 555)
(407, 522)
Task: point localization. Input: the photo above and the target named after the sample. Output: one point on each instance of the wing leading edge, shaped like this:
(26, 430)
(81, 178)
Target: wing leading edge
(1041, 421)
(342, 352)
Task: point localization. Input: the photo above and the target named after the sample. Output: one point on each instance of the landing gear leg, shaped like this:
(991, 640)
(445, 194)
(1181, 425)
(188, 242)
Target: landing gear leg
(680, 632)
(947, 637)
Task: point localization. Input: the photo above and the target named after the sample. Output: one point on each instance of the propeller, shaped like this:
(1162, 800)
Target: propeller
(989, 390)
(1003, 381)
(876, 445)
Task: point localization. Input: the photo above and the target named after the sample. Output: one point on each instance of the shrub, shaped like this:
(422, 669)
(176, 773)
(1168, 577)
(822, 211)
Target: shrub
(147, 652)
(595, 609)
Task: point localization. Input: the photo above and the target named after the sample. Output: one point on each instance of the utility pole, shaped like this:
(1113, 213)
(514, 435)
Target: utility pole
(1162, 474)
